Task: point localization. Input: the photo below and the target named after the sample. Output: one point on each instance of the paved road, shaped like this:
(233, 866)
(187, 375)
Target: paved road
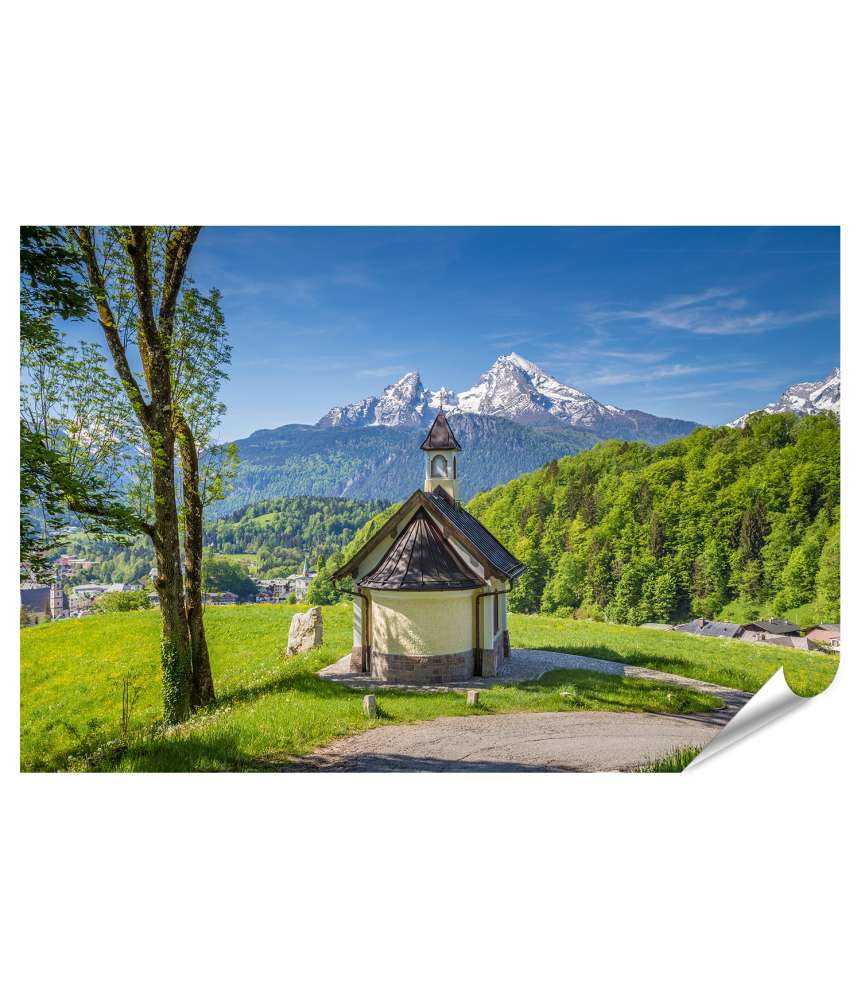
(533, 741)
(530, 741)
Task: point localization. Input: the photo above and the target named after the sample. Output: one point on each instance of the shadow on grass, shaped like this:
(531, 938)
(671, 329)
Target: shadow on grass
(728, 675)
(590, 690)
(206, 752)
(304, 681)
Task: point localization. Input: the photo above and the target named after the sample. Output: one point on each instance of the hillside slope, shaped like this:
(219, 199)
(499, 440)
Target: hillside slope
(643, 533)
(384, 463)
(270, 708)
(279, 534)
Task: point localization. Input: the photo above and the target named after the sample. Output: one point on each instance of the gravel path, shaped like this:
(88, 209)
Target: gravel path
(522, 665)
(528, 741)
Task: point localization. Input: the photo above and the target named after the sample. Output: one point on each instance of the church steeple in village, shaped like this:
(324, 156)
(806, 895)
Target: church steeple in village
(440, 448)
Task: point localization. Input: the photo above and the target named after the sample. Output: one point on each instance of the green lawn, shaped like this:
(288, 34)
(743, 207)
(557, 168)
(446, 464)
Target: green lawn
(674, 762)
(268, 708)
(731, 662)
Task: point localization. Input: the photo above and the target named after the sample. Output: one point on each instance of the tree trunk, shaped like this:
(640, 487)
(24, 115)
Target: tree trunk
(202, 687)
(176, 659)
(154, 417)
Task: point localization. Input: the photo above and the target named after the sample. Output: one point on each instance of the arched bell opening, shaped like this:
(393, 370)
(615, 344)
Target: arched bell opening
(439, 467)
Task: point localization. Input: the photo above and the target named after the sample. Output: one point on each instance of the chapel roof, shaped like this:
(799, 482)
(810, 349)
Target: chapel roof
(440, 436)
(420, 559)
(460, 518)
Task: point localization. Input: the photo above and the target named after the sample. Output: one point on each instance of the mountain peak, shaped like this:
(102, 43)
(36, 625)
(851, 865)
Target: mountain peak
(803, 398)
(513, 388)
(400, 404)
(520, 362)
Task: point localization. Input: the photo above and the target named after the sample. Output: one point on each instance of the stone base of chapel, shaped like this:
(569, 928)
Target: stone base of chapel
(491, 659)
(404, 669)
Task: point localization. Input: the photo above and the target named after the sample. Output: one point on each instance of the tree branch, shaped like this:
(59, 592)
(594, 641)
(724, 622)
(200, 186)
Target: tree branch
(83, 238)
(136, 247)
(177, 252)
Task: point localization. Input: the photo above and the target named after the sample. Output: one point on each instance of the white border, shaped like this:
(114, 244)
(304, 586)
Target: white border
(614, 113)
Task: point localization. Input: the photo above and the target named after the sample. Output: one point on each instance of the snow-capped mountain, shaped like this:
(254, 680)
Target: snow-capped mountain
(521, 391)
(512, 388)
(401, 404)
(804, 398)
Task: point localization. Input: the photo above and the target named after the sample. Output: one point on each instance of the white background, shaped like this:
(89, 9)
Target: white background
(739, 878)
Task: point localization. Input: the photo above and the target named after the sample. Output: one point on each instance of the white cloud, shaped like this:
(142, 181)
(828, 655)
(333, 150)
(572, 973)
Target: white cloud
(384, 372)
(619, 377)
(715, 311)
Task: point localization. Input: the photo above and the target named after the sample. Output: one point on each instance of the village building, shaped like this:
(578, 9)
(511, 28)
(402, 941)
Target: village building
(791, 642)
(44, 602)
(702, 626)
(761, 630)
(272, 591)
(221, 597)
(299, 582)
(84, 595)
(68, 565)
(36, 603)
(825, 635)
(280, 588)
(430, 587)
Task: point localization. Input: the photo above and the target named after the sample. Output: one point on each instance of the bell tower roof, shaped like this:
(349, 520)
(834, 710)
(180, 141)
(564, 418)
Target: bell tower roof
(440, 436)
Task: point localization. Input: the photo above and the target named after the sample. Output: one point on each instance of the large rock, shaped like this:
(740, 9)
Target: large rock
(306, 632)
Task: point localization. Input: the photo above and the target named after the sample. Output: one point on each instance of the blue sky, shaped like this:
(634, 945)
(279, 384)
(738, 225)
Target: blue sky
(700, 323)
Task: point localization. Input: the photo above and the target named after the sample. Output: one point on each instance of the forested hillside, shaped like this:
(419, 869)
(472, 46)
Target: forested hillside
(385, 463)
(641, 533)
(283, 531)
(276, 535)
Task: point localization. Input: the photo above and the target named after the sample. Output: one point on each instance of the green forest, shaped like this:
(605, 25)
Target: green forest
(724, 521)
(284, 531)
(275, 535)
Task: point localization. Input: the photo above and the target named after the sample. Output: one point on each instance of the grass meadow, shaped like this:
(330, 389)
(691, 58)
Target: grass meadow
(730, 662)
(271, 709)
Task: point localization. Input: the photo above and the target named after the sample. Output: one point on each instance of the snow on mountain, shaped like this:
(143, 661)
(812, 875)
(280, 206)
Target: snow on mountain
(512, 388)
(521, 391)
(401, 404)
(804, 398)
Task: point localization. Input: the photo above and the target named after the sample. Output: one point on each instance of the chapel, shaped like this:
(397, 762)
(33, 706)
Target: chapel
(430, 587)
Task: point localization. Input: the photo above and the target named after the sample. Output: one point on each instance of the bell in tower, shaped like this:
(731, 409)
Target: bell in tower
(441, 448)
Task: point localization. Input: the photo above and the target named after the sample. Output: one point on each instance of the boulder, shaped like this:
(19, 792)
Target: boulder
(306, 632)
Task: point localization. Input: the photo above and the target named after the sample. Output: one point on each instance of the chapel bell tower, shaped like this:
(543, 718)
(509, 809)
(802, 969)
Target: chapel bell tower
(441, 448)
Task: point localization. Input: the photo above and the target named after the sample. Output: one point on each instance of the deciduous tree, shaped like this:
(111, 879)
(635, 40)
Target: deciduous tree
(69, 410)
(136, 277)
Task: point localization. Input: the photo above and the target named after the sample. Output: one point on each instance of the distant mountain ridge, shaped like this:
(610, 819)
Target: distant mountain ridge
(514, 389)
(803, 398)
(385, 463)
(516, 418)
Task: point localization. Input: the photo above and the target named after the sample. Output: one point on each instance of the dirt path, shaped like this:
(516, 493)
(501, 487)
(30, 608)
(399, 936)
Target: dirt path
(532, 741)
